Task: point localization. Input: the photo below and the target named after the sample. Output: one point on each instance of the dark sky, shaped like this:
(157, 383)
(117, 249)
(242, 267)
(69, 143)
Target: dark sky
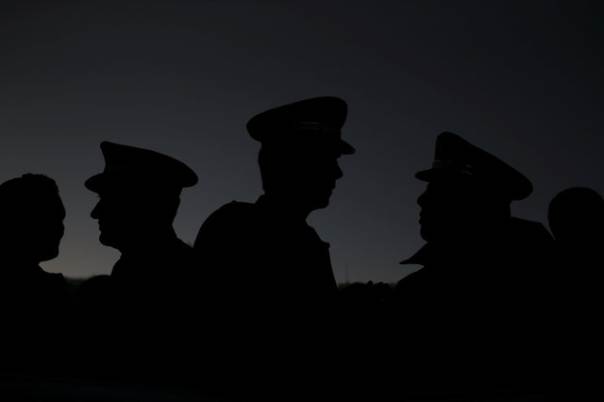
(522, 79)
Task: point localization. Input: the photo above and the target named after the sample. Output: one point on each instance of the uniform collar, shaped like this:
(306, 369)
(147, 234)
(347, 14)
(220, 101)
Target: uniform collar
(153, 250)
(280, 216)
(420, 257)
(281, 212)
(431, 253)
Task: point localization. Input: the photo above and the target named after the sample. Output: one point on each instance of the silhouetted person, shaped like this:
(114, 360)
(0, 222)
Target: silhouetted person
(149, 296)
(576, 219)
(33, 302)
(475, 310)
(270, 269)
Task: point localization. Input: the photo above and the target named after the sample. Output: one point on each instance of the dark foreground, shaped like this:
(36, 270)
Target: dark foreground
(70, 390)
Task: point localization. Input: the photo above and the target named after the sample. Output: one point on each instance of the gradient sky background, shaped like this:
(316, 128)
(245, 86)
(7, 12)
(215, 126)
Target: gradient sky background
(522, 79)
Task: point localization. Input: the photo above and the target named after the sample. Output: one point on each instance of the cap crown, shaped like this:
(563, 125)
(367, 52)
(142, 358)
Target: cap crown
(454, 155)
(316, 119)
(125, 163)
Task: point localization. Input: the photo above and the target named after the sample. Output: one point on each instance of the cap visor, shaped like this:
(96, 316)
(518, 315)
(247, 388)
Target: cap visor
(426, 175)
(433, 173)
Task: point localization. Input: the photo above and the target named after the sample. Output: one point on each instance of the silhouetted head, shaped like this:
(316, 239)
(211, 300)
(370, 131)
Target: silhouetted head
(469, 191)
(32, 215)
(139, 194)
(301, 144)
(576, 216)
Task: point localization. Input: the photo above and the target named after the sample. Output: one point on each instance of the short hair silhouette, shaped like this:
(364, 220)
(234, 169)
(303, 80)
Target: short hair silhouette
(32, 215)
(577, 215)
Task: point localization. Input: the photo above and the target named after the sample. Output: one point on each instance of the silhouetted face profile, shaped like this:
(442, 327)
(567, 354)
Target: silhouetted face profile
(139, 194)
(128, 216)
(113, 214)
(32, 217)
(454, 207)
(301, 144)
(306, 177)
(576, 216)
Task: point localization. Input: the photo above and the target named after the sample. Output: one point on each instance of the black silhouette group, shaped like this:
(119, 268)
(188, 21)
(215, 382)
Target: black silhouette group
(253, 307)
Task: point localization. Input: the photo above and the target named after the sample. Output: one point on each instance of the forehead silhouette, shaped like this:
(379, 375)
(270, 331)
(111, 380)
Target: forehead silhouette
(22, 192)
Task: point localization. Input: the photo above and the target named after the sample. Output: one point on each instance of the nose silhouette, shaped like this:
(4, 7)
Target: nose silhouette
(338, 172)
(94, 214)
(422, 199)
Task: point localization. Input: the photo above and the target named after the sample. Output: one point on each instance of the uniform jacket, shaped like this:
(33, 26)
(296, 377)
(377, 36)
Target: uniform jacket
(255, 253)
